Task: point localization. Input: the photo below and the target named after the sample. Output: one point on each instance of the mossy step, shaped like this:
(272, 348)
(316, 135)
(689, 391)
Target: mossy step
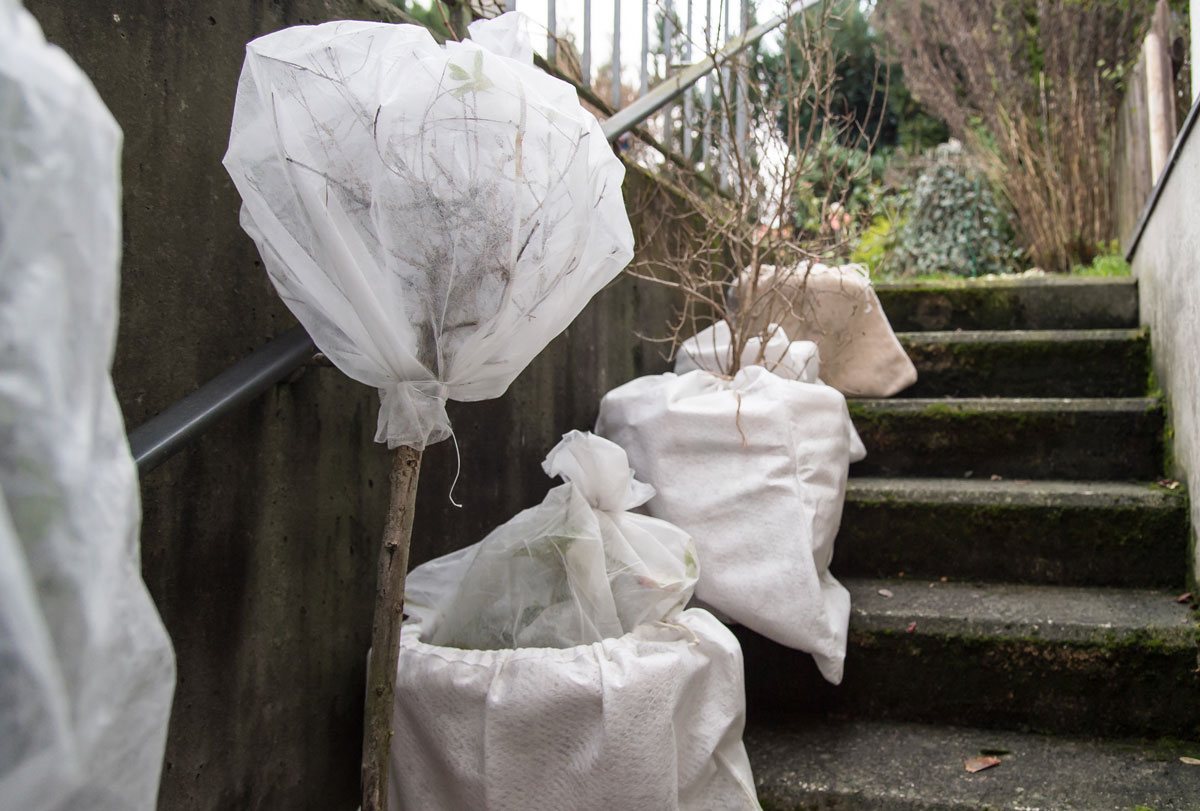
(1110, 662)
(889, 766)
(1029, 363)
(1022, 438)
(1067, 533)
(1047, 302)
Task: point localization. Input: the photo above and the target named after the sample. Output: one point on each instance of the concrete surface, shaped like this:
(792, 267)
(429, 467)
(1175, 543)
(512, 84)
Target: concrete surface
(1014, 531)
(1095, 661)
(1167, 266)
(1043, 302)
(881, 766)
(1014, 437)
(1028, 363)
(259, 542)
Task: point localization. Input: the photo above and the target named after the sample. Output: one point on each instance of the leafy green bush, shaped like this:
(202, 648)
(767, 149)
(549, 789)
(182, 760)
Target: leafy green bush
(1109, 261)
(953, 223)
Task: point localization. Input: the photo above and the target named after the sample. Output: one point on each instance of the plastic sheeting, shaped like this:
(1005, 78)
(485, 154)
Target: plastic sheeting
(86, 669)
(836, 308)
(576, 569)
(755, 468)
(432, 214)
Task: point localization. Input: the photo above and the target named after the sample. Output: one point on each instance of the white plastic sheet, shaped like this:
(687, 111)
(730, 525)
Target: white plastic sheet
(576, 569)
(755, 468)
(433, 215)
(836, 308)
(86, 669)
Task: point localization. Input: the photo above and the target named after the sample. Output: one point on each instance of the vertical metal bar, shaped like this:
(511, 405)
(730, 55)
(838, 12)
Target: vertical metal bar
(587, 43)
(551, 33)
(743, 87)
(646, 47)
(725, 161)
(709, 48)
(616, 60)
(687, 99)
(668, 39)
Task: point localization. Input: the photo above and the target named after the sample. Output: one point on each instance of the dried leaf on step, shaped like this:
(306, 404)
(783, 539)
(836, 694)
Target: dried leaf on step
(912, 626)
(978, 764)
(1184, 598)
(996, 478)
(886, 593)
(1170, 484)
(1191, 761)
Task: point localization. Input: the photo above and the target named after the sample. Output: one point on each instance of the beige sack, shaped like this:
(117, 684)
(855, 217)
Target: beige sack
(837, 309)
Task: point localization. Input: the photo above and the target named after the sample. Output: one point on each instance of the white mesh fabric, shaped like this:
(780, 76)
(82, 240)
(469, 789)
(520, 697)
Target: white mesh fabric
(754, 468)
(432, 214)
(576, 569)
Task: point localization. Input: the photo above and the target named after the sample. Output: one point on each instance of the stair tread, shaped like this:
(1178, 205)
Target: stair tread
(1132, 405)
(1014, 336)
(898, 766)
(1055, 281)
(1014, 492)
(1072, 614)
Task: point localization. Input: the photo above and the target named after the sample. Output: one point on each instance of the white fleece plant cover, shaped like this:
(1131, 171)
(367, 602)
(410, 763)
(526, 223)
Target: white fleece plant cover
(712, 350)
(432, 214)
(86, 668)
(576, 569)
(613, 697)
(836, 308)
(754, 467)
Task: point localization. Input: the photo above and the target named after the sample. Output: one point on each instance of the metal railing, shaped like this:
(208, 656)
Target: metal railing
(166, 434)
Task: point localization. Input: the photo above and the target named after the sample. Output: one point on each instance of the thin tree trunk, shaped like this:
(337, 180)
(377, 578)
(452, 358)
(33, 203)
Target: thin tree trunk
(385, 634)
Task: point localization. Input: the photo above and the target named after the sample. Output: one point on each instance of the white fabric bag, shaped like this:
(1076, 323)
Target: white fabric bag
(712, 350)
(432, 214)
(577, 568)
(86, 668)
(836, 308)
(587, 686)
(652, 719)
(755, 468)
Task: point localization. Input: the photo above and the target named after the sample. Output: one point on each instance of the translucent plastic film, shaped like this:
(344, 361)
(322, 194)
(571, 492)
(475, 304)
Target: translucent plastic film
(86, 669)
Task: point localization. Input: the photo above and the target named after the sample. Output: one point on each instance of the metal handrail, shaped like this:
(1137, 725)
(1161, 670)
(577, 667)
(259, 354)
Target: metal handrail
(164, 435)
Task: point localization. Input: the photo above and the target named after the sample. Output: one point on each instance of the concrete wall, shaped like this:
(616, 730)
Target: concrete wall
(1166, 263)
(259, 542)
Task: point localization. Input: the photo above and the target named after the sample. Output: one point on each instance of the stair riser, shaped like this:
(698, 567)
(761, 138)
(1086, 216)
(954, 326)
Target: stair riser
(1087, 305)
(936, 441)
(1133, 547)
(1128, 690)
(1043, 368)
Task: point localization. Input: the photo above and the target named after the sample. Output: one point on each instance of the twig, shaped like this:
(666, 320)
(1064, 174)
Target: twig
(385, 634)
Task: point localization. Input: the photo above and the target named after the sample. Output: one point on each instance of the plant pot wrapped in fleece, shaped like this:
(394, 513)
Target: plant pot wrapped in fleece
(755, 468)
(836, 308)
(552, 665)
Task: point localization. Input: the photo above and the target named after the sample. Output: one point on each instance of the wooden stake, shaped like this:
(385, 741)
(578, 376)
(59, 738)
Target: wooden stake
(385, 634)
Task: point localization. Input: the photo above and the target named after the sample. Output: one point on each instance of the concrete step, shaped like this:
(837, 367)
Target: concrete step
(1029, 363)
(1067, 533)
(1047, 302)
(1102, 662)
(882, 766)
(1025, 438)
